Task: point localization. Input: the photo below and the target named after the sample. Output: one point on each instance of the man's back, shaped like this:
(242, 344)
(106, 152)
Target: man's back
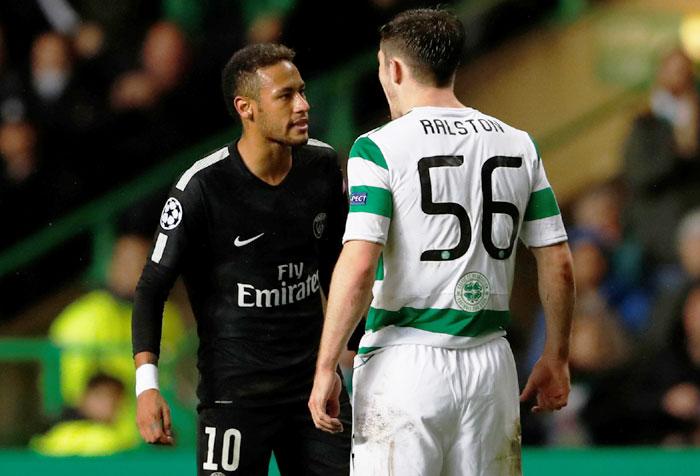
(448, 191)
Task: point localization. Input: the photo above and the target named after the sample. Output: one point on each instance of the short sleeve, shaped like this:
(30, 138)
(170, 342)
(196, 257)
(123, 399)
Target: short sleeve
(371, 203)
(542, 222)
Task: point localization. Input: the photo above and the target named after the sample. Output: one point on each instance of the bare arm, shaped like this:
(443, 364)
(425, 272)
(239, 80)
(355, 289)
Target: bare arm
(549, 380)
(145, 358)
(351, 289)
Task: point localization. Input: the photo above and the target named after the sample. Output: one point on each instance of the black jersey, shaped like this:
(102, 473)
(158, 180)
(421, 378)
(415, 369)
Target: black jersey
(254, 258)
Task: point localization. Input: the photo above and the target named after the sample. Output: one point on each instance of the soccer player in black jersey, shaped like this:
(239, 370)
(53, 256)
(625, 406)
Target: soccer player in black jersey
(254, 229)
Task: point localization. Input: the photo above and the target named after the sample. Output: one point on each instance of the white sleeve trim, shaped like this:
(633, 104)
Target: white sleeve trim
(220, 154)
(318, 143)
(159, 248)
(360, 237)
(550, 241)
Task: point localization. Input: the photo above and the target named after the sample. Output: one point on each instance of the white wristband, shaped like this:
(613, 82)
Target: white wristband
(146, 378)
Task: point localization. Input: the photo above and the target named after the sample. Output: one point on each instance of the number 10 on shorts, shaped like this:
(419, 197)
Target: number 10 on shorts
(230, 452)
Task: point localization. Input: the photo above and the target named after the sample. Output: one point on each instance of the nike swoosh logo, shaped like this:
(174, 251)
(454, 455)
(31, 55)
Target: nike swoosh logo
(238, 242)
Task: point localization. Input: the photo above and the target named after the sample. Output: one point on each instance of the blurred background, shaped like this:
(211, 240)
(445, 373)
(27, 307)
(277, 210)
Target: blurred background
(104, 104)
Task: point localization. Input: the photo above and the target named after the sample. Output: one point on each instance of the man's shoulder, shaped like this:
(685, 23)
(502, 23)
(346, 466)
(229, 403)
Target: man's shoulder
(385, 132)
(315, 144)
(375, 137)
(512, 135)
(507, 128)
(315, 148)
(202, 168)
(317, 154)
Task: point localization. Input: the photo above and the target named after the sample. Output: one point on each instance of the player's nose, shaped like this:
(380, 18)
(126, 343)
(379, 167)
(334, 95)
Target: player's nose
(301, 104)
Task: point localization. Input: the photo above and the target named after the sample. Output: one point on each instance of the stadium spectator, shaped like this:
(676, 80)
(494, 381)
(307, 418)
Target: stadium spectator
(661, 161)
(18, 144)
(68, 110)
(598, 211)
(94, 332)
(12, 101)
(265, 19)
(61, 100)
(91, 428)
(165, 56)
(676, 282)
(681, 395)
(121, 26)
(149, 101)
(666, 400)
(27, 192)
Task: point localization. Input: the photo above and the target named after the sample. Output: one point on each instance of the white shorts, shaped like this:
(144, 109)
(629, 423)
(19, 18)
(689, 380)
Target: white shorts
(428, 411)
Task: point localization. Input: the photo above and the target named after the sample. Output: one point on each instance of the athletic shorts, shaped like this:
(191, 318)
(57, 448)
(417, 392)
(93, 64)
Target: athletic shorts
(236, 441)
(429, 411)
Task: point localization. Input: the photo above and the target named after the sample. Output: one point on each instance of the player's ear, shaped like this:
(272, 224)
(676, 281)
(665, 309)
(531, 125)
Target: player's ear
(244, 107)
(397, 70)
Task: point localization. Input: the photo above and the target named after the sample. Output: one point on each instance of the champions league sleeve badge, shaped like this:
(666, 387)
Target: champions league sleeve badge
(172, 214)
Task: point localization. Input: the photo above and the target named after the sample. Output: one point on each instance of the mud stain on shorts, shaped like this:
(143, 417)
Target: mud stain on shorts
(376, 422)
(509, 459)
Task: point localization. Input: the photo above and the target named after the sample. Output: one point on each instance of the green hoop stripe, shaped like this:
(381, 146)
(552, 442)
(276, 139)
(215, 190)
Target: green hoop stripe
(445, 321)
(374, 200)
(379, 274)
(367, 350)
(542, 204)
(366, 149)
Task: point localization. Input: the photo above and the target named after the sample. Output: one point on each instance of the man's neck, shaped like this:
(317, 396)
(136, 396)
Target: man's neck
(267, 160)
(433, 97)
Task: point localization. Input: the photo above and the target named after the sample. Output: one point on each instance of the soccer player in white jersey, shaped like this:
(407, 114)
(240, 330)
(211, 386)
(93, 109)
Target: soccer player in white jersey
(438, 198)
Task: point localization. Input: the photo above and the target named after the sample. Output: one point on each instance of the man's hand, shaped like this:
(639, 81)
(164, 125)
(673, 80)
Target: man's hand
(324, 401)
(153, 418)
(550, 382)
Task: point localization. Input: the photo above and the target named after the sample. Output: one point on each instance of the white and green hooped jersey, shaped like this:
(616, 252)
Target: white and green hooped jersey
(447, 191)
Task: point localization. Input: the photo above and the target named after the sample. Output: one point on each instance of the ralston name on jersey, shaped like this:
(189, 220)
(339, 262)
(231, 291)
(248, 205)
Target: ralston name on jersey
(461, 127)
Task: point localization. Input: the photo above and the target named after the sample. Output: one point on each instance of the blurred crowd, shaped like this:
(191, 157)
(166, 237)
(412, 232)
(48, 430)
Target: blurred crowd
(635, 239)
(91, 94)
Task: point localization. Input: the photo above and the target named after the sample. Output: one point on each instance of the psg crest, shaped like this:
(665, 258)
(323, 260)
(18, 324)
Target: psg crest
(172, 214)
(319, 225)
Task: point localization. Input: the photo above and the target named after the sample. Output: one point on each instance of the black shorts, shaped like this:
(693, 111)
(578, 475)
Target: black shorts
(236, 441)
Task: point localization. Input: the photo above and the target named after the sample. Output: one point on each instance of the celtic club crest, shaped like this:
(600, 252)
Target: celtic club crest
(472, 292)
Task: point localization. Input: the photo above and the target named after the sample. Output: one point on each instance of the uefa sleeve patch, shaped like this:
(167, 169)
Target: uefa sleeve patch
(172, 214)
(358, 198)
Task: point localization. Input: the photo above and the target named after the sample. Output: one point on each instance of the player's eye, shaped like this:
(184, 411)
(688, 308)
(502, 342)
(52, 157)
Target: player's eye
(285, 96)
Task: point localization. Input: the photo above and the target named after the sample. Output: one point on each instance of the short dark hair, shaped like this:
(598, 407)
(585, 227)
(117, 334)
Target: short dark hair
(238, 77)
(431, 41)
